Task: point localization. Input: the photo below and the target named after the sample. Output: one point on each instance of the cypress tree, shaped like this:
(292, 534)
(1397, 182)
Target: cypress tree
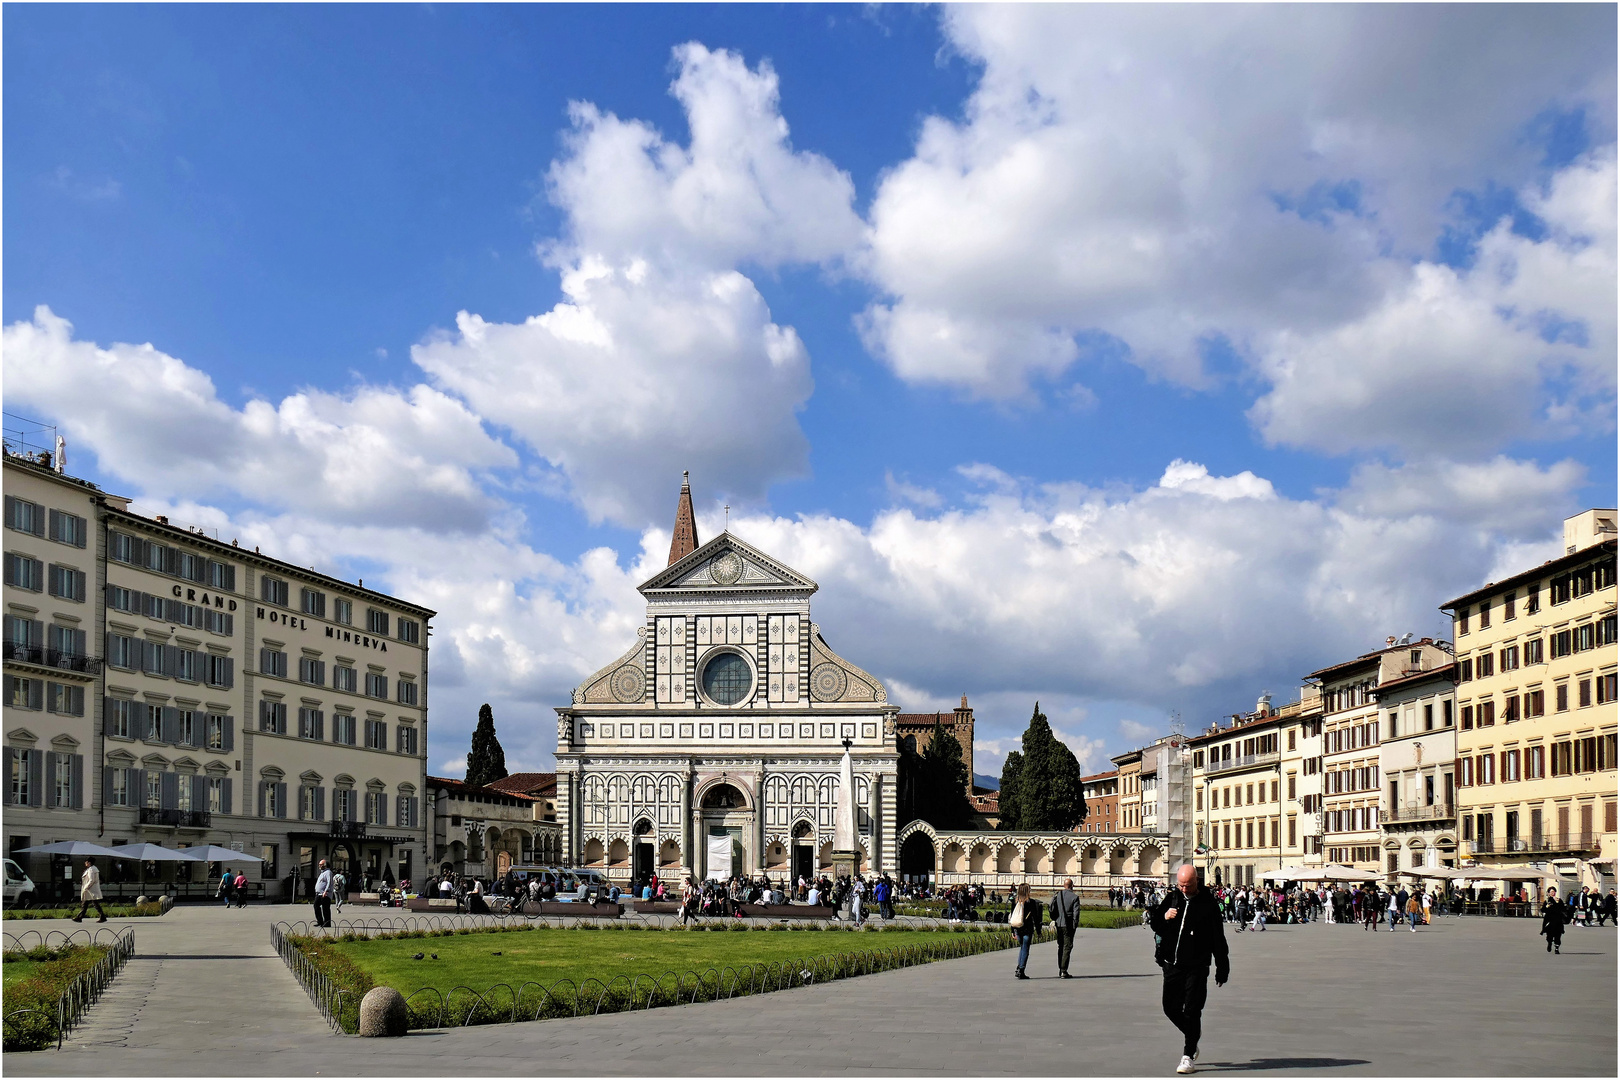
(1008, 802)
(1048, 793)
(487, 762)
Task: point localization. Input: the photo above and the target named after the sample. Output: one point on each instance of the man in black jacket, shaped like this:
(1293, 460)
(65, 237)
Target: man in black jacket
(1065, 919)
(1188, 932)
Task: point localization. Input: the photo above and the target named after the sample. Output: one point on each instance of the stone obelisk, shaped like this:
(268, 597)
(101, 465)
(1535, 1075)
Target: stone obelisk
(845, 854)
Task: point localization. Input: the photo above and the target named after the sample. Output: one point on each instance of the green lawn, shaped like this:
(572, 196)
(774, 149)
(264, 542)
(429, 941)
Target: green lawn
(545, 956)
(17, 970)
(114, 911)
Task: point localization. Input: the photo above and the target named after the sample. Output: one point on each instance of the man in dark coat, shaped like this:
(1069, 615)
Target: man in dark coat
(1065, 919)
(1552, 923)
(1188, 934)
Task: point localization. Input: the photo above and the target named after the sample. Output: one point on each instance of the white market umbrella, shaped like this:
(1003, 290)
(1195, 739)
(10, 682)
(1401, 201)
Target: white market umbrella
(214, 853)
(1338, 872)
(1289, 873)
(146, 853)
(77, 849)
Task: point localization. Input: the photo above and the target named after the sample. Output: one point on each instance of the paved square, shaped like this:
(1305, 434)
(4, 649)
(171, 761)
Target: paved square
(1473, 996)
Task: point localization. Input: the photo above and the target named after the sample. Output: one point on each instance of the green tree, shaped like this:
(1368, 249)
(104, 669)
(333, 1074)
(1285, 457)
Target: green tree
(1051, 795)
(1008, 802)
(487, 762)
(909, 779)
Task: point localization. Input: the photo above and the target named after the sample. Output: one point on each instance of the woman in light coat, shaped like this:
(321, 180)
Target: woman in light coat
(90, 892)
(1026, 913)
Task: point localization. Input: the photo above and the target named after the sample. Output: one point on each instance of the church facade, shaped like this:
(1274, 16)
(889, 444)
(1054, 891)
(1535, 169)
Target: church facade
(711, 747)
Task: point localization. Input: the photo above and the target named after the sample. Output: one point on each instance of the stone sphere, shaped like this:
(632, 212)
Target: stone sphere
(143, 899)
(383, 1013)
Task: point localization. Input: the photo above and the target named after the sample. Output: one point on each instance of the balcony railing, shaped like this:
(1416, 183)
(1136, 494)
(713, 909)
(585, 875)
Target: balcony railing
(54, 658)
(1551, 842)
(1248, 761)
(1413, 812)
(352, 830)
(176, 819)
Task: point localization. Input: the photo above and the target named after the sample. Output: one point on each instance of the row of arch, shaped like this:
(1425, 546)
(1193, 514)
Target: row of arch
(923, 848)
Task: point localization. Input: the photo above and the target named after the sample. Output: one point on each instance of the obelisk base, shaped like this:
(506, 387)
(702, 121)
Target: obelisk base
(844, 863)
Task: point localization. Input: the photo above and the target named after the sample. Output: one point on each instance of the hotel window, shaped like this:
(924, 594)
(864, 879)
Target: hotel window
(118, 787)
(154, 789)
(410, 631)
(221, 576)
(214, 724)
(67, 583)
(312, 602)
(272, 662)
(117, 717)
(376, 685)
(25, 516)
(25, 693)
(405, 743)
(407, 692)
(312, 671)
(376, 808)
(376, 735)
(311, 724)
(219, 671)
(377, 621)
(343, 728)
(64, 699)
(344, 678)
(273, 591)
(343, 804)
(273, 717)
(343, 611)
(25, 573)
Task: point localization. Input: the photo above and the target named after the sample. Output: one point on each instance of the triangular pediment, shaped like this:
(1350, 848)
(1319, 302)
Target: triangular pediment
(727, 564)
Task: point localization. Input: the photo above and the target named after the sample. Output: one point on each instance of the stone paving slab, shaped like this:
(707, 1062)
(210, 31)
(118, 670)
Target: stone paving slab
(1475, 996)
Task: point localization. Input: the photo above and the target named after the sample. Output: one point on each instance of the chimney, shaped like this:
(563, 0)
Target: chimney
(685, 540)
(1263, 706)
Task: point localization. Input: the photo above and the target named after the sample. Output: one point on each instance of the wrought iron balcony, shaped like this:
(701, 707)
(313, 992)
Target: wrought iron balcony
(1248, 761)
(176, 819)
(53, 658)
(1414, 812)
(1548, 843)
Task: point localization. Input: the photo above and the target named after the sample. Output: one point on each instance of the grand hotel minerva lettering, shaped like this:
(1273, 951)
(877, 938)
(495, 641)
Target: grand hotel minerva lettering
(365, 641)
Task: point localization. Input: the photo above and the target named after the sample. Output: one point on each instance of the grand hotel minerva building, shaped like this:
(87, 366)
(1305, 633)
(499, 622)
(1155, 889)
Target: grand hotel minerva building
(712, 746)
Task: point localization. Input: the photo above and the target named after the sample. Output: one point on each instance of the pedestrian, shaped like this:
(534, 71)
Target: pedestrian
(90, 892)
(323, 896)
(1414, 911)
(226, 885)
(1065, 920)
(239, 884)
(340, 889)
(1397, 903)
(1188, 934)
(1025, 921)
(1552, 924)
(1608, 910)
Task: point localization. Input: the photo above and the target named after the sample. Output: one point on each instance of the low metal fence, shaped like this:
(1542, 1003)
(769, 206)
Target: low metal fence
(25, 1029)
(463, 1006)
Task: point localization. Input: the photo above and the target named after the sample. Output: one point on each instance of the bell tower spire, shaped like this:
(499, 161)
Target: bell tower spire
(685, 540)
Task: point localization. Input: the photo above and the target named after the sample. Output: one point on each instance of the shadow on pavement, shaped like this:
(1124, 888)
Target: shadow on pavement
(1279, 1063)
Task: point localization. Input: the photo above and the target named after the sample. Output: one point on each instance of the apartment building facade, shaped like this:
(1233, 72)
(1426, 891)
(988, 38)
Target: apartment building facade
(1536, 688)
(226, 697)
(1351, 763)
(1128, 767)
(1102, 802)
(1417, 758)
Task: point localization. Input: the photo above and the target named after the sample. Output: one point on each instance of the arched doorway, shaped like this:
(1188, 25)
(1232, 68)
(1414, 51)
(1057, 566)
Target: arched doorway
(804, 851)
(917, 857)
(728, 827)
(643, 855)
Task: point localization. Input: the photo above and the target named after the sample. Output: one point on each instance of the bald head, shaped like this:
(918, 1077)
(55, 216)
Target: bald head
(1187, 879)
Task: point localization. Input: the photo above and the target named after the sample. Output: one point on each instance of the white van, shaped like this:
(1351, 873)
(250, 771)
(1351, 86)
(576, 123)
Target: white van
(19, 886)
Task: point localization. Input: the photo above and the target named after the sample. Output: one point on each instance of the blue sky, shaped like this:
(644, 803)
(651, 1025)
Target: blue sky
(1076, 360)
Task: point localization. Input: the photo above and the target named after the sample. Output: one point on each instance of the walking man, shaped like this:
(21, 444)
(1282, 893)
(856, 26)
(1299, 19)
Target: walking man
(323, 896)
(1188, 933)
(1065, 919)
(90, 892)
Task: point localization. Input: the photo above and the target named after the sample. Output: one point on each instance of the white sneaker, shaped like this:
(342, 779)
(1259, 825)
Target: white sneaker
(1186, 1065)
